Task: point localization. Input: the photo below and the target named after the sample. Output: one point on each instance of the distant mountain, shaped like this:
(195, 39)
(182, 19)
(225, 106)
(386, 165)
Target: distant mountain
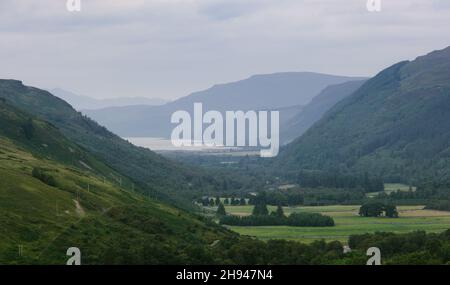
(311, 113)
(80, 102)
(259, 92)
(397, 125)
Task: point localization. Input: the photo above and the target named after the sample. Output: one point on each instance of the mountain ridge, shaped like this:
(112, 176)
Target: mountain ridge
(80, 102)
(312, 112)
(259, 92)
(395, 125)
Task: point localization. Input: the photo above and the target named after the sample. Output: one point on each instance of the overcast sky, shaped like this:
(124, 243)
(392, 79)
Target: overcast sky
(169, 48)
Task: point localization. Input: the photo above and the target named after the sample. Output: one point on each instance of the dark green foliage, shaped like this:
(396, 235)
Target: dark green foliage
(435, 195)
(391, 211)
(376, 209)
(438, 205)
(408, 249)
(279, 213)
(226, 201)
(314, 197)
(395, 126)
(372, 209)
(294, 220)
(234, 201)
(221, 210)
(260, 209)
(315, 179)
(28, 129)
(309, 220)
(40, 174)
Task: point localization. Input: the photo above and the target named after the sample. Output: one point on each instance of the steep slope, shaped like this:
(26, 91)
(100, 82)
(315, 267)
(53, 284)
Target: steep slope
(396, 125)
(80, 102)
(311, 113)
(260, 92)
(160, 177)
(54, 195)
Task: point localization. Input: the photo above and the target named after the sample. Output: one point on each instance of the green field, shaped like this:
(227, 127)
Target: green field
(347, 223)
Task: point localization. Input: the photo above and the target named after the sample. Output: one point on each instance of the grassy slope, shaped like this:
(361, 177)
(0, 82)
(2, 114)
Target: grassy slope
(115, 224)
(160, 177)
(395, 125)
(347, 221)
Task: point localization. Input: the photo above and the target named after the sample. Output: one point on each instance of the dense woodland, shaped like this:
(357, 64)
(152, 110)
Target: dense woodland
(412, 248)
(435, 195)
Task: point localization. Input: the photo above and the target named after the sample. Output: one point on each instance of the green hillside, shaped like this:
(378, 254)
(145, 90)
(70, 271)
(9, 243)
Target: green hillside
(82, 206)
(397, 125)
(162, 178)
(319, 105)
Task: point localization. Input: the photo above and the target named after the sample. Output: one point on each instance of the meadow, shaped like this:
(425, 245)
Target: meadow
(347, 222)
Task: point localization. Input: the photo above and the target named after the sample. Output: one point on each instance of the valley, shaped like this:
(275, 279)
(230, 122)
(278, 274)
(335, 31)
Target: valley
(173, 134)
(67, 181)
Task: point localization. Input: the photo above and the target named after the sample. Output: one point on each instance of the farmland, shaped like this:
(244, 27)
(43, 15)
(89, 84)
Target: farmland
(347, 223)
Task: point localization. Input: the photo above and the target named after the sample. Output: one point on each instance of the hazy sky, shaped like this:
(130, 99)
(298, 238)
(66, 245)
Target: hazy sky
(169, 48)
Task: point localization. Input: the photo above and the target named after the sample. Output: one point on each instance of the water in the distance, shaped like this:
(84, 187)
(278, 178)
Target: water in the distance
(164, 145)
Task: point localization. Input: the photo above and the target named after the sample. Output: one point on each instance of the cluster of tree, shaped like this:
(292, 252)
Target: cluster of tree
(376, 209)
(438, 205)
(316, 179)
(416, 248)
(40, 174)
(435, 195)
(221, 210)
(261, 217)
(314, 197)
(231, 176)
(294, 220)
(206, 201)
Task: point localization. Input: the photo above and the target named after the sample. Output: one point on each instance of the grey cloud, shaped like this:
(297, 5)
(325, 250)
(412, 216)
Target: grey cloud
(225, 10)
(169, 48)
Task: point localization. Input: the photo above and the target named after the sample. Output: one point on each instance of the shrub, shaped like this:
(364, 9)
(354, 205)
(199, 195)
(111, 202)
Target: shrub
(39, 173)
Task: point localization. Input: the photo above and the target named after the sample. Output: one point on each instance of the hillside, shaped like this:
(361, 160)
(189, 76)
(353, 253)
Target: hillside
(80, 102)
(396, 125)
(297, 125)
(161, 178)
(82, 205)
(259, 92)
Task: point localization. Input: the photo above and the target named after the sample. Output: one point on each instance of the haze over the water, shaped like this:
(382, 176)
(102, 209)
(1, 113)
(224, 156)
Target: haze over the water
(169, 48)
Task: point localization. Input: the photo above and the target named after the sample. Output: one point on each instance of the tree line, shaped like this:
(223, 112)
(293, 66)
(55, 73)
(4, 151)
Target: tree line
(261, 217)
(293, 220)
